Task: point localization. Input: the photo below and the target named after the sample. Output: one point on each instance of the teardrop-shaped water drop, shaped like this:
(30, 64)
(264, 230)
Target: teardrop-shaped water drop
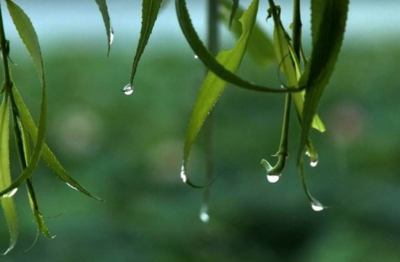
(273, 178)
(183, 175)
(317, 207)
(204, 216)
(196, 57)
(111, 35)
(128, 90)
(11, 193)
(71, 186)
(314, 163)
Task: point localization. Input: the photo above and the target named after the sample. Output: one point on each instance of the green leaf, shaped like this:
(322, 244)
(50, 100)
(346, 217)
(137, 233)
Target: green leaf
(213, 86)
(208, 60)
(315, 204)
(328, 27)
(150, 9)
(30, 39)
(106, 18)
(7, 202)
(235, 6)
(47, 154)
(260, 47)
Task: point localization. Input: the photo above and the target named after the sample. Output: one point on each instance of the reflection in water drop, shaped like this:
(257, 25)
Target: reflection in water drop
(196, 57)
(128, 90)
(183, 175)
(308, 153)
(11, 193)
(71, 186)
(273, 178)
(317, 207)
(204, 216)
(314, 163)
(111, 35)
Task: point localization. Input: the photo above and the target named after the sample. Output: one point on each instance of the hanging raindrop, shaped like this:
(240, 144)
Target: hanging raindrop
(11, 193)
(128, 90)
(273, 178)
(204, 216)
(317, 207)
(196, 57)
(111, 35)
(183, 175)
(314, 163)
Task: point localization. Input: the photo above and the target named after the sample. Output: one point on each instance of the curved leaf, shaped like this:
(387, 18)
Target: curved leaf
(213, 86)
(234, 8)
(47, 154)
(209, 61)
(328, 26)
(8, 205)
(315, 204)
(106, 18)
(150, 9)
(260, 47)
(30, 39)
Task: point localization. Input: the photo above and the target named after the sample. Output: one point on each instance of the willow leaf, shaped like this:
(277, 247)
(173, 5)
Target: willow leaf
(260, 47)
(213, 86)
(150, 9)
(106, 18)
(315, 204)
(208, 60)
(328, 27)
(7, 203)
(47, 154)
(234, 9)
(29, 38)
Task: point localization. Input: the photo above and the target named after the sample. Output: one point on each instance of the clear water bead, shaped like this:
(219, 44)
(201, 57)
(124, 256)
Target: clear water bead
(111, 35)
(196, 57)
(314, 163)
(273, 178)
(204, 216)
(317, 207)
(128, 90)
(183, 175)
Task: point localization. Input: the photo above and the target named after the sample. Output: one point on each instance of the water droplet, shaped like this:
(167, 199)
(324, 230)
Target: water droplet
(273, 178)
(183, 175)
(111, 35)
(11, 193)
(314, 163)
(204, 216)
(71, 186)
(317, 207)
(308, 153)
(196, 57)
(128, 90)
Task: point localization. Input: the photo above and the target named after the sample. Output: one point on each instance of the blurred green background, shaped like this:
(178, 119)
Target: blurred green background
(128, 150)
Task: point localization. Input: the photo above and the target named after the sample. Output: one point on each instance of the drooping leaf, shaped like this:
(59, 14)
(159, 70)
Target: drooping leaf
(106, 18)
(208, 60)
(7, 202)
(235, 6)
(315, 204)
(150, 9)
(213, 86)
(29, 38)
(260, 47)
(47, 154)
(328, 27)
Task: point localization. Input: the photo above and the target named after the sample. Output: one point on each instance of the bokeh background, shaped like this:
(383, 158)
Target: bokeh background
(128, 149)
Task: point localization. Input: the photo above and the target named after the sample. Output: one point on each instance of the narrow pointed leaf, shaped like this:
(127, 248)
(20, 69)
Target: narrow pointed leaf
(260, 47)
(213, 86)
(209, 61)
(328, 27)
(29, 38)
(8, 205)
(235, 6)
(315, 204)
(106, 18)
(150, 9)
(47, 154)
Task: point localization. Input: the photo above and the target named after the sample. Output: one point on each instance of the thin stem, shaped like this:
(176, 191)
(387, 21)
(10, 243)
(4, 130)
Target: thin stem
(297, 28)
(4, 53)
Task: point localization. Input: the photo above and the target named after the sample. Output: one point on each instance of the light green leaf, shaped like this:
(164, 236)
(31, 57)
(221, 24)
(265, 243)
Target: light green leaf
(260, 47)
(328, 27)
(106, 18)
(208, 60)
(150, 9)
(47, 154)
(7, 202)
(213, 86)
(28, 35)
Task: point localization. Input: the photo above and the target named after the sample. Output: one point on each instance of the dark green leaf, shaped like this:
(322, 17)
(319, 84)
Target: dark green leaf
(328, 27)
(150, 9)
(30, 39)
(7, 202)
(315, 204)
(260, 47)
(47, 154)
(235, 6)
(209, 61)
(213, 86)
(106, 18)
